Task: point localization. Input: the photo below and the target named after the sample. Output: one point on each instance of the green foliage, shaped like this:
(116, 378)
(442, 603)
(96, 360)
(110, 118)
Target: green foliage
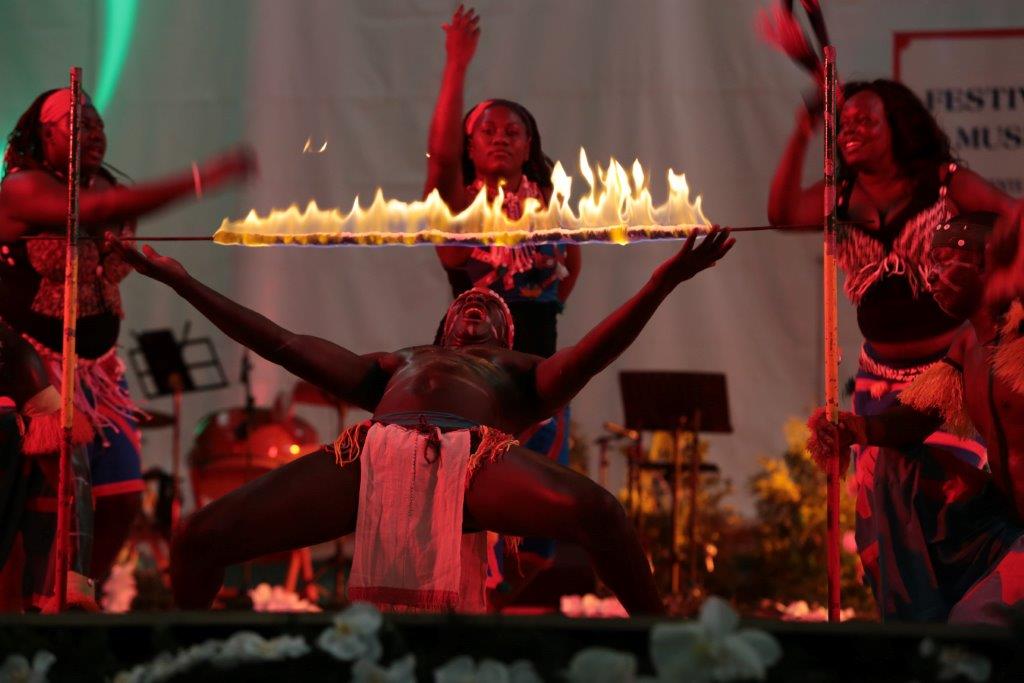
(789, 534)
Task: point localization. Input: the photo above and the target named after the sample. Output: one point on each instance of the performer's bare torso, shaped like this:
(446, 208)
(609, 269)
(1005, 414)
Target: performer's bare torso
(998, 413)
(486, 384)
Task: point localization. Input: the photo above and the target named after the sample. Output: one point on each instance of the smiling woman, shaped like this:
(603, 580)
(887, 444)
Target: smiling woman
(898, 180)
(33, 202)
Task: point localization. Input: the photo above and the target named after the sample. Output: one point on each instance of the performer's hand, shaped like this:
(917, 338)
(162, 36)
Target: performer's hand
(235, 164)
(148, 262)
(827, 438)
(461, 36)
(1004, 258)
(692, 259)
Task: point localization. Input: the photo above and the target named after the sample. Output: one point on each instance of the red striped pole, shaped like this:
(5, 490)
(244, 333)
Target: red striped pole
(65, 492)
(831, 319)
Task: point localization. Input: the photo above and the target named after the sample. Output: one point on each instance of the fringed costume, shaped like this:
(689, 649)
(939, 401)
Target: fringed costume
(923, 532)
(32, 302)
(999, 541)
(30, 439)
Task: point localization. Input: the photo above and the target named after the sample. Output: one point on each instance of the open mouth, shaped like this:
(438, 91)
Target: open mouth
(474, 311)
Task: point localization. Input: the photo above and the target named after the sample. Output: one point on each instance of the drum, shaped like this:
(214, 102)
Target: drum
(233, 447)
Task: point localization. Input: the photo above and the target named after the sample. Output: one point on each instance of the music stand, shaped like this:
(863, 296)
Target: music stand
(678, 402)
(165, 366)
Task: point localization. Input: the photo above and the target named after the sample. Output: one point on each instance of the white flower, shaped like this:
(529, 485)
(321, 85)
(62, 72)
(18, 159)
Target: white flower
(464, 670)
(353, 634)
(16, 668)
(120, 589)
(955, 662)
(602, 665)
(400, 671)
(267, 598)
(242, 647)
(167, 666)
(799, 610)
(590, 605)
(246, 646)
(712, 649)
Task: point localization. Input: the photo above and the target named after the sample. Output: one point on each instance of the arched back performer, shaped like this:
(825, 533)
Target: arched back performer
(436, 455)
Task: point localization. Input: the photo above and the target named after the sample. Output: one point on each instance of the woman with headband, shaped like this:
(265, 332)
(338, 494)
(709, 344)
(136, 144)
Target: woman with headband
(497, 145)
(33, 201)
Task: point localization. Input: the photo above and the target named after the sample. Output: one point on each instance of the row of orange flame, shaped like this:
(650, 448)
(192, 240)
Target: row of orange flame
(617, 208)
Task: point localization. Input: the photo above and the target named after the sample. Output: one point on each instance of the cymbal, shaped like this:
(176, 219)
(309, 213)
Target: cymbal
(156, 420)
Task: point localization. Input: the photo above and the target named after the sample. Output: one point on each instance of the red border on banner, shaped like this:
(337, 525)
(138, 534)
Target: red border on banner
(901, 39)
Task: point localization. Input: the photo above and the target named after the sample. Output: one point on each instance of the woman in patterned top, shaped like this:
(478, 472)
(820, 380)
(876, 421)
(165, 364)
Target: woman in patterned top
(33, 201)
(497, 144)
(898, 180)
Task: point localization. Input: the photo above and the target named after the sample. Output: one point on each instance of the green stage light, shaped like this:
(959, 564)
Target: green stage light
(118, 28)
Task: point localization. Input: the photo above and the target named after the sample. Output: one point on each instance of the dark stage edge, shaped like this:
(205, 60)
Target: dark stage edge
(94, 647)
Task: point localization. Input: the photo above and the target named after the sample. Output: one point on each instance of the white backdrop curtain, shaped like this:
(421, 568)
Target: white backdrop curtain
(676, 83)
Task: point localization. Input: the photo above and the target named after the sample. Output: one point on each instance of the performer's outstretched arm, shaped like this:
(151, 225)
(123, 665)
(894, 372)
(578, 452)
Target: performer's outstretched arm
(353, 378)
(789, 203)
(561, 377)
(35, 198)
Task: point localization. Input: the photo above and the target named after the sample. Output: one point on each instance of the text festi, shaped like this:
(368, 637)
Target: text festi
(995, 136)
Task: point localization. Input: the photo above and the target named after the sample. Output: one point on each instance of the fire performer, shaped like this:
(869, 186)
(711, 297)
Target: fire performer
(435, 459)
(897, 179)
(33, 201)
(497, 145)
(978, 387)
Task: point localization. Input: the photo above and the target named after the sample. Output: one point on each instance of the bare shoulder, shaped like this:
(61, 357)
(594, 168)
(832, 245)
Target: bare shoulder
(28, 181)
(970, 192)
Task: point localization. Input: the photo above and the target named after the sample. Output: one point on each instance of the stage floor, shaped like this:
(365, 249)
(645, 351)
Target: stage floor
(95, 647)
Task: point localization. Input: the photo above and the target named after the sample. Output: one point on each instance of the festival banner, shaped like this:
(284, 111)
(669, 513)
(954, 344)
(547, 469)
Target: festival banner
(973, 83)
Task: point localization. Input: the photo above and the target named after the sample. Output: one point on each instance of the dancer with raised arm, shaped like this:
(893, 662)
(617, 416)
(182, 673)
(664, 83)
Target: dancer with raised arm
(897, 180)
(33, 203)
(496, 145)
(437, 458)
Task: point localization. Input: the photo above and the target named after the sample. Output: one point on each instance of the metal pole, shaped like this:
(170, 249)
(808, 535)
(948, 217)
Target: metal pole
(831, 335)
(65, 492)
